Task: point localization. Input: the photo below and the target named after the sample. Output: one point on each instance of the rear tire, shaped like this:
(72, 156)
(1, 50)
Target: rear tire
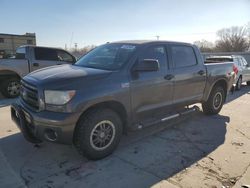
(98, 133)
(10, 87)
(215, 101)
(239, 83)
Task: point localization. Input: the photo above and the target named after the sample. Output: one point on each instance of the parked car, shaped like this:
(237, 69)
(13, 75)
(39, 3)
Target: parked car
(26, 60)
(118, 87)
(243, 74)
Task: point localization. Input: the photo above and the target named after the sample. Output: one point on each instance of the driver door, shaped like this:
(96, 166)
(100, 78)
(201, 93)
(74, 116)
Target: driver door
(151, 92)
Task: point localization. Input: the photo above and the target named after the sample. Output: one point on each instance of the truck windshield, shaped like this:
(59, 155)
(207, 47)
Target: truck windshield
(107, 57)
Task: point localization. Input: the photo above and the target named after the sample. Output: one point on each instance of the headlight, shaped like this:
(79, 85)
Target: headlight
(58, 97)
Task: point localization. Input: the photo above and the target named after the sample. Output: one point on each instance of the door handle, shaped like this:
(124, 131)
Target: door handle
(36, 64)
(201, 72)
(169, 77)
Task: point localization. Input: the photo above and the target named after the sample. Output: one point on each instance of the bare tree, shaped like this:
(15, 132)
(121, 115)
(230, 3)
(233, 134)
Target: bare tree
(232, 39)
(204, 45)
(248, 34)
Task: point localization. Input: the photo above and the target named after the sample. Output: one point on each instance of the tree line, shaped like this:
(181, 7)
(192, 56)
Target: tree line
(232, 39)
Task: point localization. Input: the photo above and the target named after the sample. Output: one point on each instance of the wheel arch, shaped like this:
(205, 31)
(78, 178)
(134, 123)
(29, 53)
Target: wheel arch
(8, 74)
(116, 106)
(221, 82)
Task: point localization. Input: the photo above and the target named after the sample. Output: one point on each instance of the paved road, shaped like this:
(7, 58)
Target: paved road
(197, 151)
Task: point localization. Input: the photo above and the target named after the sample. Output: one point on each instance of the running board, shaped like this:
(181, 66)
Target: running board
(179, 114)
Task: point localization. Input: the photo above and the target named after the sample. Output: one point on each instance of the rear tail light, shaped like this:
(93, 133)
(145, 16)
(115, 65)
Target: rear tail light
(235, 69)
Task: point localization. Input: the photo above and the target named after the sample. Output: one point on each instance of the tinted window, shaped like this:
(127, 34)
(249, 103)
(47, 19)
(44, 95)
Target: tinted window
(183, 56)
(46, 54)
(156, 52)
(63, 56)
(1, 40)
(108, 56)
(220, 59)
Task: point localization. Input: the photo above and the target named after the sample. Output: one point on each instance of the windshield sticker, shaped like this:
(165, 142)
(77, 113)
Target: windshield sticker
(128, 47)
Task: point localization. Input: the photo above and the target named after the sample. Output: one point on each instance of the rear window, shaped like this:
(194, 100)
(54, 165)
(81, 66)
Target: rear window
(220, 59)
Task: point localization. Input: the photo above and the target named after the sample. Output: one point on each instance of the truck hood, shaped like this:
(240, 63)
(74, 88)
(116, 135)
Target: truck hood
(65, 75)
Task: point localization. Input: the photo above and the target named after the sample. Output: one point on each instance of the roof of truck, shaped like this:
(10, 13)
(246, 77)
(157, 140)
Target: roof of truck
(149, 41)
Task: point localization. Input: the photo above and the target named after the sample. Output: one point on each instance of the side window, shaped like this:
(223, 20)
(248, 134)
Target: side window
(241, 62)
(46, 54)
(238, 62)
(63, 56)
(20, 53)
(183, 56)
(244, 61)
(156, 52)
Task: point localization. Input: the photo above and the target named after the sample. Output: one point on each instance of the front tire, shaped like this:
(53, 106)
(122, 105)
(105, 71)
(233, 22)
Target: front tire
(10, 87)
(215, 101)
(98, 133)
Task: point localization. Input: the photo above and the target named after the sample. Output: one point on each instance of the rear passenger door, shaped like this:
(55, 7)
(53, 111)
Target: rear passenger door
(45, 57)
(190, 74)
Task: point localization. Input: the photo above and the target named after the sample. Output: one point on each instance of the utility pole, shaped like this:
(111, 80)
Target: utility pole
(75, 46)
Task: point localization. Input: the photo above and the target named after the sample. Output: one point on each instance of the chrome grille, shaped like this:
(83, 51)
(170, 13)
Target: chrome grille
(29, 94)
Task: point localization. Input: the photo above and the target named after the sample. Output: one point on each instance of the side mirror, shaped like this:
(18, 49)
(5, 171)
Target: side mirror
(147, 65)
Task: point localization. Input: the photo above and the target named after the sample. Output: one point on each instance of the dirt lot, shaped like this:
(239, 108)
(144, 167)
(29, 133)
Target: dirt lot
(198, 151)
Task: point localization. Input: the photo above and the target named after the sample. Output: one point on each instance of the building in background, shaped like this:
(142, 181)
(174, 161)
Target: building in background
(9, 42)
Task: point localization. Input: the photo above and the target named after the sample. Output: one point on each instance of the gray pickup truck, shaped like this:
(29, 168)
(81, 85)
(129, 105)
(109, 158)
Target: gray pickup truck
(26, 60)
(115, 88)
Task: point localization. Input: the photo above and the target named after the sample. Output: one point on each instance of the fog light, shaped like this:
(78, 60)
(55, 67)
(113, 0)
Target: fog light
(50, 135)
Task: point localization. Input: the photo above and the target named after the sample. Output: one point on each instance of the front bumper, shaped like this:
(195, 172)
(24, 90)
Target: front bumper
(45, 125)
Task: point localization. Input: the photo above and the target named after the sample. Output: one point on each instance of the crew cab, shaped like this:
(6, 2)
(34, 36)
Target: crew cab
(115, 88)
(26, 60)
